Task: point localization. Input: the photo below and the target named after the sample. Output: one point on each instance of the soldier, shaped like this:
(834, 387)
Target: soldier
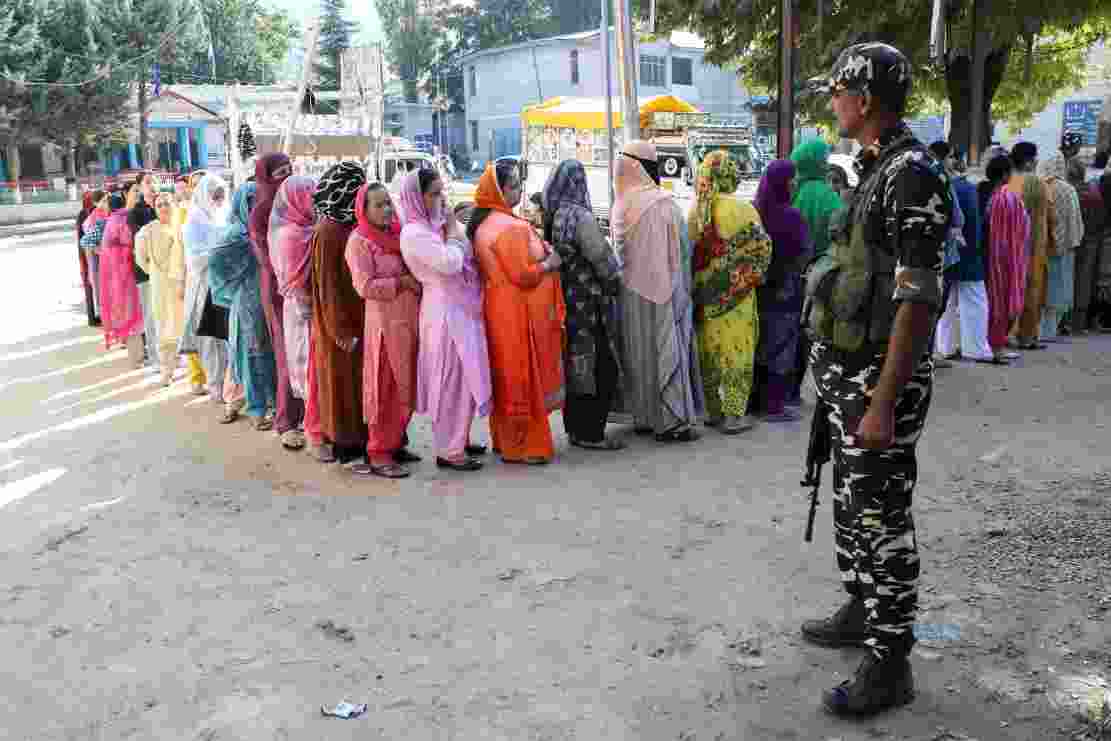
(873, 302)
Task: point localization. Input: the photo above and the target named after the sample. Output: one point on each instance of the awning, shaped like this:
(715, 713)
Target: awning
(590, 113)
(351, 146)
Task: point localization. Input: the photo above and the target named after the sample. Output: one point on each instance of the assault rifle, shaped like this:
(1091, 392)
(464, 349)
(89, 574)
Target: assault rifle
(817, 455)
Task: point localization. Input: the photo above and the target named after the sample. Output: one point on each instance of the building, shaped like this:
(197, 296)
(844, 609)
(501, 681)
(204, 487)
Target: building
(499, 83)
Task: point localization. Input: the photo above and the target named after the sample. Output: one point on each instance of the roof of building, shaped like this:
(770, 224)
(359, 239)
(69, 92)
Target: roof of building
(681, 39)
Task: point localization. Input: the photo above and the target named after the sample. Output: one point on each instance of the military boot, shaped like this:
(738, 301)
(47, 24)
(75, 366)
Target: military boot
(846, 628)
(879, 684)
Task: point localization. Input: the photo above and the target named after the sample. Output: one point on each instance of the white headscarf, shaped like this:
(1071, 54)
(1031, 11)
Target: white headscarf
(206, 221)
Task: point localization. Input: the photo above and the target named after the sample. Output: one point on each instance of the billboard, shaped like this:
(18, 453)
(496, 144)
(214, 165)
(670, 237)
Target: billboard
(1082, 117)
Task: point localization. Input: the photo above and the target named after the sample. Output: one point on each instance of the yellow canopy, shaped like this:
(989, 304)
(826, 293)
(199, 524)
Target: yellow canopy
(590, 113)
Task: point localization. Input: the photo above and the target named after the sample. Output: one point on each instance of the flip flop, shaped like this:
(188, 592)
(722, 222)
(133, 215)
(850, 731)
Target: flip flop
(386, 471)
(468, 464)
(607, 444)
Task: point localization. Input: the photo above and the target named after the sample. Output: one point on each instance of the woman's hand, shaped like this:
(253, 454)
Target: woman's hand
(348, 345)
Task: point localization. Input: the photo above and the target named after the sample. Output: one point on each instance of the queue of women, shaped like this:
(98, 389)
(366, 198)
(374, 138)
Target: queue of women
(326, 311)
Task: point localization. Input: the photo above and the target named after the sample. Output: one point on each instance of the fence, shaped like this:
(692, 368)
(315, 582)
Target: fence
(56, 190)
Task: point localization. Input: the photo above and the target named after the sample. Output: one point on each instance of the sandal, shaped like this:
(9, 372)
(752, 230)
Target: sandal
(403, 455)
(685, 435)
(264, 423)
(467, 464)
(475, 450)
(230, 415)
(293, 439)
(606, 444)
(736, 425)
(323, 453)
(386, 470)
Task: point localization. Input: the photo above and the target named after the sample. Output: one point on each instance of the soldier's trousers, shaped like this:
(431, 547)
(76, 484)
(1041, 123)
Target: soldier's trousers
(877, 553)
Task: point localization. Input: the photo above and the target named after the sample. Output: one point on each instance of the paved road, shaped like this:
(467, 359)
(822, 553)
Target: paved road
(166, 577)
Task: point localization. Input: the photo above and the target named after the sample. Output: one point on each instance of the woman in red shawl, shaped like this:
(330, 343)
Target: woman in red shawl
(120, 309)
(270, 172)
(1008, 231)
(392, 297)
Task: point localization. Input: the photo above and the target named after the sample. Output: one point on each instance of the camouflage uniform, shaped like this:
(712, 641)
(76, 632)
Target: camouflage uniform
(906, 215)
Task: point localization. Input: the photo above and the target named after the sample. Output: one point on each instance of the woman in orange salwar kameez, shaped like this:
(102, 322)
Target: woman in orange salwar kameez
(392, 298)
(525, 313)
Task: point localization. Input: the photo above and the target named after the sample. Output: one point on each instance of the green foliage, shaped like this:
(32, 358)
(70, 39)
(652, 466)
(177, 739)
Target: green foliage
(411, 40)
(747, 32)
(336, 31)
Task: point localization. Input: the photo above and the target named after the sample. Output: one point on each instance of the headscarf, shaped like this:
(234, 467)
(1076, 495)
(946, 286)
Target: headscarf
(291, 223)
(783, 223)
(239, 216)
(814, 198)
(1068, 230)
(233, 278)
(270, 172)
(389, 239)
(566, 202)
(718, 174)
(205, 222)
(335, 193)
(412, 205)
(634, 187)
(1054, 167)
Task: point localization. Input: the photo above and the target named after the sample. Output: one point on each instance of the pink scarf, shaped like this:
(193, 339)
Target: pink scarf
(120, 309)
(389, 239)
(290, 233)
(412, 203)
(648, 258)
(1010, 229)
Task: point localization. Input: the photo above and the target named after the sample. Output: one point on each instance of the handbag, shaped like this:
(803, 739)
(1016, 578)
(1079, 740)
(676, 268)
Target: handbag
(214, 320)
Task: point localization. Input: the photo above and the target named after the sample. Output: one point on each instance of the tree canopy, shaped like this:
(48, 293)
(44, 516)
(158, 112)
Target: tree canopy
(336, 32)
(746, 33)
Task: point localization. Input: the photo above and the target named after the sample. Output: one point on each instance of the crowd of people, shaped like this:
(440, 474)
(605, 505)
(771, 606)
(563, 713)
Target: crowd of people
(326, 311)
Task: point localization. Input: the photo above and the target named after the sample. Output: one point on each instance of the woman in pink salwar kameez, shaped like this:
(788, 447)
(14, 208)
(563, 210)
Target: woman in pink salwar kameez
(120, 309)
(453, 366)
(392, 297)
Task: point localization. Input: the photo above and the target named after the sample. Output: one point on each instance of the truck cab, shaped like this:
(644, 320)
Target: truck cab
(736, 140)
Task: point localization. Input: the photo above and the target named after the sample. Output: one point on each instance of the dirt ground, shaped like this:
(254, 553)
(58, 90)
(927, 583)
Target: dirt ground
(166, 577)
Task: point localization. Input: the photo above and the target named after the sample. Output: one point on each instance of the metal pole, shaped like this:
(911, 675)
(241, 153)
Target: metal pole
(608, 72)
(381, 113)
(786, 80)
(306, 71)
(626, 66)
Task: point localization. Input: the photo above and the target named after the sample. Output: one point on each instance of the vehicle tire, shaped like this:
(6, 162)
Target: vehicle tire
(672, 166)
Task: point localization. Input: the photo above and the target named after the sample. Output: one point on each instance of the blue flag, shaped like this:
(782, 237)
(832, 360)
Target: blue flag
(156, 79)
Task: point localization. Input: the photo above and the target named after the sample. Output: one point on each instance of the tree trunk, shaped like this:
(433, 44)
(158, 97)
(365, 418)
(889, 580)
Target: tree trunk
(143, 135)
(957, 79)
(15, 169)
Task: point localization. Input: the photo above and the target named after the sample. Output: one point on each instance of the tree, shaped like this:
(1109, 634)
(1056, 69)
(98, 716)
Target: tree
(411, 42)
(249, 43)
(60, 78)
(747, 33)
(148, 31)
(336, 31)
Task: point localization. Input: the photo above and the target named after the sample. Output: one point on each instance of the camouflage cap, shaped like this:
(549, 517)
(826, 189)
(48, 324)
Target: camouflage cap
(1071, 140)
(879, 70)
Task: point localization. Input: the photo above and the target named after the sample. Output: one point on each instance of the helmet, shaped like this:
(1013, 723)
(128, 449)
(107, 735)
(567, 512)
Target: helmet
(877, 69)
(1071, 140)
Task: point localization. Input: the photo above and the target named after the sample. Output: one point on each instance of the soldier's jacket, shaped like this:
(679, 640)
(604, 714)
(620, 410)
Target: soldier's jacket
(888, 245)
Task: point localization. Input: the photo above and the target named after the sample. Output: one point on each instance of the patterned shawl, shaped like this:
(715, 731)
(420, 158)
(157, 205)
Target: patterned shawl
(1009, 231)
(1068, 228)
(732, 251)
(335, 193)
(566, 202)
(291, 223)
(205, 222)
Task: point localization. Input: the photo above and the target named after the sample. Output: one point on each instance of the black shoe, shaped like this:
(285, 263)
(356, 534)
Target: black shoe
(468, 464)
(404, 456)
(846, 628)
(879, 684)
(475, 450)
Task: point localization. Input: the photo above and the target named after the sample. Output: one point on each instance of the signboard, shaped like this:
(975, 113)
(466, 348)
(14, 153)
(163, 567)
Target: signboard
(1082, 117)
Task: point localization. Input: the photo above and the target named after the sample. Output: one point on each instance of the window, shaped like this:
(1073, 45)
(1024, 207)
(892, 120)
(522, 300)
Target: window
(682, 71)
(653, 71)
(474, 136)
(574, 66)
(474, 82)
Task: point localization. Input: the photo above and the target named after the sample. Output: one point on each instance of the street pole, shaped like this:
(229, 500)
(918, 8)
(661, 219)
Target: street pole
(306, 71)
(626, 66)
(381, 113)
(608, 72)
(786, 122)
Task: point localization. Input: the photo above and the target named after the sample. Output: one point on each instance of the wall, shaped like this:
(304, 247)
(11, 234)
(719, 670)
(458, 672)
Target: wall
(510, 80)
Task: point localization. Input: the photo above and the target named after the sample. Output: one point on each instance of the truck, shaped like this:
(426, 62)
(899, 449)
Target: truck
(736, 140)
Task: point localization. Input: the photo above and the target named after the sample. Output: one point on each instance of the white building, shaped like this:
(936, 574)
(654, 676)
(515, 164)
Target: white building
(500, 82)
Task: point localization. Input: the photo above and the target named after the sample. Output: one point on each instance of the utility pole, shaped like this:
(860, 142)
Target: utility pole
(626, 66)
(607, 70)
(786, 116)
(310, 56)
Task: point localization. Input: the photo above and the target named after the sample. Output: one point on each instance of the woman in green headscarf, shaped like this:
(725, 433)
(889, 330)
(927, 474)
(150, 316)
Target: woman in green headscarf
(818, 201)
(731, 254)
